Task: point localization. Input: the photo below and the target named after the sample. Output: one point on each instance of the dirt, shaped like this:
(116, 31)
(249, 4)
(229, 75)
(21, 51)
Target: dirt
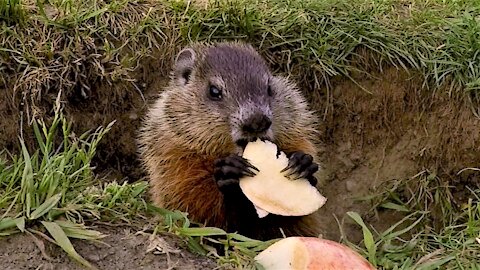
(122, 249)
(393, 132)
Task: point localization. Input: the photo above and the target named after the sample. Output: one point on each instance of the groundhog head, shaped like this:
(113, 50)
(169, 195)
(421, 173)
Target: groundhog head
(229, 97)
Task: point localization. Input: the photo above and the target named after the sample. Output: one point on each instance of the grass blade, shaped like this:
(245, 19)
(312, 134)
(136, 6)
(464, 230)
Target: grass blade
(39, 138)
(196, 247)
(8, 223)
(62, 240)
(367, 236)
(206, 231)
(27, 180)
(394, 206)
(79, 231)
(46, 206)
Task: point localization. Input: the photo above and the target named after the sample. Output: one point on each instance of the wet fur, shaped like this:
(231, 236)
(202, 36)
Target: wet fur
(179, 145)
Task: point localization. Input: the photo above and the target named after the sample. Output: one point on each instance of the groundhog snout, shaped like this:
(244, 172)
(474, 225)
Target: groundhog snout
(256, 124)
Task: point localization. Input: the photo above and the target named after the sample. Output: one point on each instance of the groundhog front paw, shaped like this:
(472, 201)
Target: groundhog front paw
(301, 165)
(229, 170)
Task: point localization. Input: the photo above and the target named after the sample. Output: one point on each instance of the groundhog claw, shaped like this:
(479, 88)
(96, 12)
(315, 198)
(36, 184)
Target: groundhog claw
(229, 170)
(301, 165)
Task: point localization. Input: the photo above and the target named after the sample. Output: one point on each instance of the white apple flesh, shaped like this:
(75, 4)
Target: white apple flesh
(270, 191)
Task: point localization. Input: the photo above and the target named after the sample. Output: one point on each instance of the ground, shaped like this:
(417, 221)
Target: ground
(123, 248)
(386, 135)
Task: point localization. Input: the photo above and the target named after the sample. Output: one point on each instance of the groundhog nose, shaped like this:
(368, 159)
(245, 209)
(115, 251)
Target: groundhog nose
(257, 123)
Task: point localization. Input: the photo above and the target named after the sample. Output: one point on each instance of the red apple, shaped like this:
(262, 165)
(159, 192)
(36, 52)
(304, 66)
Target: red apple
(302, 253)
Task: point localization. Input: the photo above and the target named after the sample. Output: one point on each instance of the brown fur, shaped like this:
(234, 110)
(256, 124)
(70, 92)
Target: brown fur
(179, 145)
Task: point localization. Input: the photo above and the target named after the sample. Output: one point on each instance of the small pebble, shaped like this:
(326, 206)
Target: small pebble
(350, 185)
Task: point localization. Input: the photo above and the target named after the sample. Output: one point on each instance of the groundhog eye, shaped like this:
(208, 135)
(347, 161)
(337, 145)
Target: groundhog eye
(214, 93)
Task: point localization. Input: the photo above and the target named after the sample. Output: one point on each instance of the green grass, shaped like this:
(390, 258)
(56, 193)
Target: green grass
(52, 192)
(436, 232)
(11, 11)
(66, 44)
(43, 187)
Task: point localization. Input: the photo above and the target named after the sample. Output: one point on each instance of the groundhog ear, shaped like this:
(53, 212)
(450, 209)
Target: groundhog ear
(184, 65)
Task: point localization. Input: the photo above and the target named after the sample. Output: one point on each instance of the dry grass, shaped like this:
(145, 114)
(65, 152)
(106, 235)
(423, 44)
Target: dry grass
(75, 45)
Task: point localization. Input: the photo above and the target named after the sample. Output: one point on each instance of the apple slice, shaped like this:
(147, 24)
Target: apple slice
(270, 191)
(308, 253)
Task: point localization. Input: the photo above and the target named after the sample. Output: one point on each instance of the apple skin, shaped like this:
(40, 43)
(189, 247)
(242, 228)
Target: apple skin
(310, 253)
(327, 254)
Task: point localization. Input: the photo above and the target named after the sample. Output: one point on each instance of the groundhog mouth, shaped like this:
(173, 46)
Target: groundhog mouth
(244, 141)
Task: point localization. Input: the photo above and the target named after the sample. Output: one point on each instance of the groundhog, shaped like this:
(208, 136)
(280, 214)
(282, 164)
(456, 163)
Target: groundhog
(220, 97)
